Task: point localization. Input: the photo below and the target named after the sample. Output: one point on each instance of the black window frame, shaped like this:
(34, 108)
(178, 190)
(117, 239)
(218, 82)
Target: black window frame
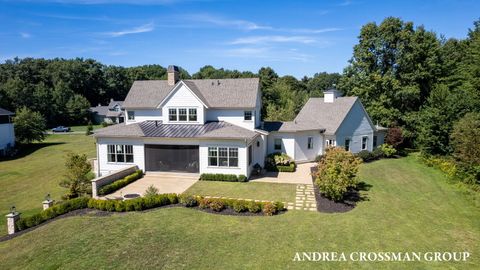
(247, 115)
(190, 114)
(365, 143)
(310, 143)
(250, 154)
(131, 115)
(375, 141)
(172, 112)
(275, 144)
(347, 145)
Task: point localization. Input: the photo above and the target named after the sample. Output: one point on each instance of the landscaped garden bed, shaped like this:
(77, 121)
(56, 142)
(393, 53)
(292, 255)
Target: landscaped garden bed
(280, 162)
(206, 204)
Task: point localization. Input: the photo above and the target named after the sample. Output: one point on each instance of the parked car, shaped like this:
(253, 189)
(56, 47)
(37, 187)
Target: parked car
(60, 129)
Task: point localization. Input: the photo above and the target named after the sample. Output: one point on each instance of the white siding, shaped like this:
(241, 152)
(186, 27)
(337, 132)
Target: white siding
(302, 153)
(184, 98)
(288, 143)
(232, 116)
(144, 115)
(259, 150)
(7, 135)
(242, 157)
(106, 167)
(355, 126)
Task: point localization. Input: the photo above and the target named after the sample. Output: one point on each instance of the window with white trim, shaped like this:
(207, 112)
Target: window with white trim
(277, 144)
(131, 115)
(330, 143)
(364, 143)
(192, 114)
(182, 115)
(172, 114)
(247, 115)
(347, 144)
(223, 156)
(119, 153)
(310, 142)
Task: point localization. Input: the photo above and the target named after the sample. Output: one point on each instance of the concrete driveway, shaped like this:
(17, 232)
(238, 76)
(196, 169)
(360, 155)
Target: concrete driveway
(301, 176)
(164, 182)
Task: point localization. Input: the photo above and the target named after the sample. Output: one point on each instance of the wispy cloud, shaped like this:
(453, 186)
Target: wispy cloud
(25, 35)
(265, 53)
(345, 3)
(136, 30)
(70, 17)
(224, 22)
(311, 31)
(255, 40)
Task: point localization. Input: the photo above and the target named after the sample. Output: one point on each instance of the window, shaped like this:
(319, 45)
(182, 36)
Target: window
(232, 157)
(374, 141)
(364, 143)
(247, 115)
(182, 114)
(278, 144)
(192, 115)
(120, 153)
(172, 114)
(223, 156)
(212, 156)
(330, 143)
(347, 144)
(310, 143)
(250, 155)
(131, 115)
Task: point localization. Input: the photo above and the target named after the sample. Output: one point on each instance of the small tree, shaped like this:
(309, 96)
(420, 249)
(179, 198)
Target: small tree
(394, 137)
(337, 171)
(89, 130)
(29, 126)
(77, 180)
(151, 191)
(466, 140)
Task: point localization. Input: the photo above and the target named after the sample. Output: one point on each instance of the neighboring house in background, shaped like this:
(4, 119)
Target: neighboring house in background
(214, 126)
(7, 134)
(112, 114)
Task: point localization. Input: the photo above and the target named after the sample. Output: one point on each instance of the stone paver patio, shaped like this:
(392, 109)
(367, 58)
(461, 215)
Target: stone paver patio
(302, 175)
(164, 182)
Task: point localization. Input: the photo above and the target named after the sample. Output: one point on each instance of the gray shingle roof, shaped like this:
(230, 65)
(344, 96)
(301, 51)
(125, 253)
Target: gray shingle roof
(290, 126)
(113, 102)
(330, 116)
(221, 93)
(155, 129)
(5, 112)
(100, 110)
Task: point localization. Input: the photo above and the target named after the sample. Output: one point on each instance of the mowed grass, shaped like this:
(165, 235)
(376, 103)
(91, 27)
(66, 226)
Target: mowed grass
(25, 180)
(84, 128)
(410, 207)
(249, 190)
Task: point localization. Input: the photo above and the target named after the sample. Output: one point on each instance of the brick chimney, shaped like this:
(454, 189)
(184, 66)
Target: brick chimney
(173, 74)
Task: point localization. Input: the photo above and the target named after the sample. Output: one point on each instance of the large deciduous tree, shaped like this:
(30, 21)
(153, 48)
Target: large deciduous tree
(29, 126)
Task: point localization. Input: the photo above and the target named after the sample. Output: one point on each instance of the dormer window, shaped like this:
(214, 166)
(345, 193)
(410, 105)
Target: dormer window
(247, 115)
(131, 115)
(172, 114)
(182, 115)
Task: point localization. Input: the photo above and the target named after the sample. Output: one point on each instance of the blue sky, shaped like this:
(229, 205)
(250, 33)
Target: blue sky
(293, 37)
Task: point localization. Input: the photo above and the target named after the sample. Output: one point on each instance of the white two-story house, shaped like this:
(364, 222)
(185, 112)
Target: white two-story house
(214, 126)
(7, 134)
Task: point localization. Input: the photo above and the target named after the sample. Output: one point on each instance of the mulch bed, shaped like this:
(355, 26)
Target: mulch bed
(100, 213)
(326, 205)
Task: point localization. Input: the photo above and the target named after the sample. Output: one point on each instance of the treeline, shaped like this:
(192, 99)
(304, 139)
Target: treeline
(62, 90)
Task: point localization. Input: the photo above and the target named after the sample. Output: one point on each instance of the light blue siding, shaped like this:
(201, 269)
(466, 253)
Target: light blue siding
(355, 126)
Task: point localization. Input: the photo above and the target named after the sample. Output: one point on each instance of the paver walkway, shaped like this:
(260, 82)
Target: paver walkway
(304, 199)
(302, 175)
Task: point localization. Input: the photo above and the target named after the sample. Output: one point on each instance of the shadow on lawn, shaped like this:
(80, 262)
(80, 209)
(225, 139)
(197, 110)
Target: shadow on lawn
(349, 201)
(28, 149)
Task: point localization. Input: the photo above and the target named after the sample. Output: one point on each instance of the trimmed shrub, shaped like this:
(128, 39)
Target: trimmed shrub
(239, 206)
(279, 206)
(269, 209)
(204, 202)
(107, 189)
(223, 177)
(365, 155)
(217, 205)
(188, 200)
(150, 191)
(253, 207)
(387, 150)
(337, 173)
(242, 178)
(279, 162)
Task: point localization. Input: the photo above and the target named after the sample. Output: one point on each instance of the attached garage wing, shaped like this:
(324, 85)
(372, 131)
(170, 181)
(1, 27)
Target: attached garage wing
(172, 158)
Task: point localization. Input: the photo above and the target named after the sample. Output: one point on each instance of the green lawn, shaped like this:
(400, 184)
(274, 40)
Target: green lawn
(26, 180)
(410, 208)
(249, 190)
(84, 128)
